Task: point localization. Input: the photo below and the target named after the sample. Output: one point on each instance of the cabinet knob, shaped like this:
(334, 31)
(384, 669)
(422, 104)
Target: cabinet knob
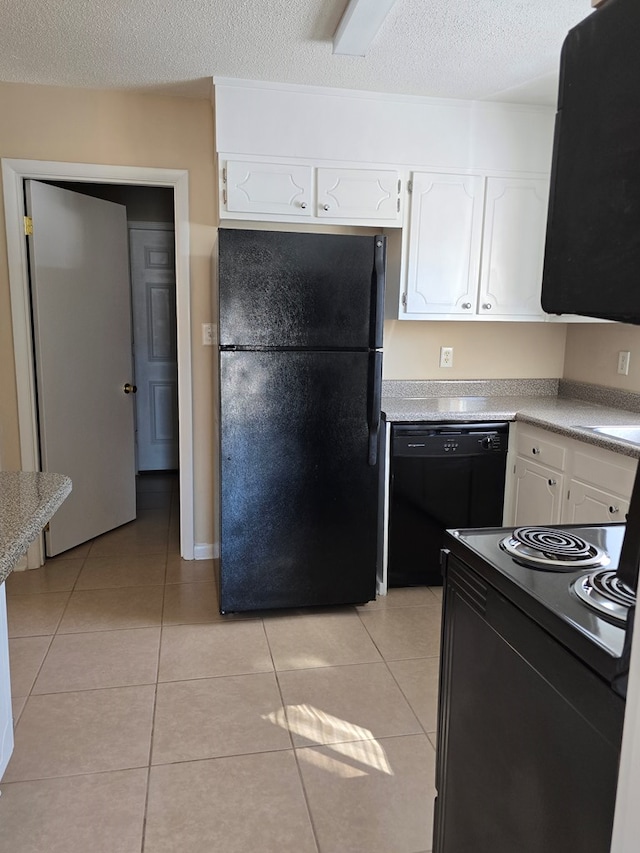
(552, 482)
(487, 306)
(466, 305)
(325, 207)
(535, 450)
(614, 509)
(303, 204)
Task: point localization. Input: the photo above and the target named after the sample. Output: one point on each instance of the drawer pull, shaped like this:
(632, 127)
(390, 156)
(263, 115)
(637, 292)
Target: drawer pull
(535, 450)
(614, 509)
(552, 482)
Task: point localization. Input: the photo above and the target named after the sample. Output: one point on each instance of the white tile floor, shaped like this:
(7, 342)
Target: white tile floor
(145, 721)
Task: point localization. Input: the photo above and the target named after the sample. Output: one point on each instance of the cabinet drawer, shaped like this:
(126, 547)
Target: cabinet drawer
(534, 444)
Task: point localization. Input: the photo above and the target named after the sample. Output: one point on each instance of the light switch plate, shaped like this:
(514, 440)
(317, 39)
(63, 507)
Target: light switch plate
(208, 334)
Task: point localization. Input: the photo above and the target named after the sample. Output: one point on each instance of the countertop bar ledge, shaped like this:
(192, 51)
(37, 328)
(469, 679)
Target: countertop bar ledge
(28, 500)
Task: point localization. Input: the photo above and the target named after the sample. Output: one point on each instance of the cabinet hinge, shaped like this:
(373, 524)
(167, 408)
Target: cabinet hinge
(404, 300)
(399, 185)
(568, 493)
(28, 226)
(224, 196)
(398, 206)
(224, 175)
(409, 186)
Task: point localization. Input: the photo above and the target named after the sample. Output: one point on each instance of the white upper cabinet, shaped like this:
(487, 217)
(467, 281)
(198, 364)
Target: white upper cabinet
(275, 191)
(445, 231)
(358, 194)
(272, 188)
(513, 247)
(475, 247)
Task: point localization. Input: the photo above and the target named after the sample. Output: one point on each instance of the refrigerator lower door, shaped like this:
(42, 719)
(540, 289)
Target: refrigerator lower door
(299, 499)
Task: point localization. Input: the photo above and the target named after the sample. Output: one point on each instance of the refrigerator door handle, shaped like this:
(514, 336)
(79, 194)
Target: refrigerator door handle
(377, 290)
(374, 398)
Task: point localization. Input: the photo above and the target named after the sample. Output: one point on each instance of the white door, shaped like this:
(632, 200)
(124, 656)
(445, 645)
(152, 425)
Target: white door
(445, 233)
(358, 194)
(81, 305)
(153, 288)
(513, 247)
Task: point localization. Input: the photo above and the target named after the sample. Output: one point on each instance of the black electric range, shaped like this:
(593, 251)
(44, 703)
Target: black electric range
(532, 690)
(549, 593)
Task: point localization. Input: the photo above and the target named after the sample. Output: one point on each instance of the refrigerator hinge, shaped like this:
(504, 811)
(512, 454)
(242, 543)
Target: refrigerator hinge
(409, 186)
(404, 300)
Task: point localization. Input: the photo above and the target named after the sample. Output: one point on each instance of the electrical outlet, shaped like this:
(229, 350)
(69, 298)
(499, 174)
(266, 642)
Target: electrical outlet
(446, 356)
(623, 362)
(208, 334)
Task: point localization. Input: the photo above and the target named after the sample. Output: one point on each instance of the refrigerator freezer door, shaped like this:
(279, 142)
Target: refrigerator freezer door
(299, 498)
(300, 290)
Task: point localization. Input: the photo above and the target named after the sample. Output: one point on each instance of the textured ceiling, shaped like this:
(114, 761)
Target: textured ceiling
(444, 48)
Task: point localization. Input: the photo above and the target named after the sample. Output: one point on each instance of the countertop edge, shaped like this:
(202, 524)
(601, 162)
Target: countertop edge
(566, 416)
(15, 541)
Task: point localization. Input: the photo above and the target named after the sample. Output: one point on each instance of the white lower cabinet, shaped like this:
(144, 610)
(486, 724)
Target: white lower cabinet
(538, 493)
(6, 714)
(553, 479)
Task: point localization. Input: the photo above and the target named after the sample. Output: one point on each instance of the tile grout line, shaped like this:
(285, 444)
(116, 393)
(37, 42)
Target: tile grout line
(293, 748)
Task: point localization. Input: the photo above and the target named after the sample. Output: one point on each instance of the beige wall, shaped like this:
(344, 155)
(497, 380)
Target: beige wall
(592, 354)
(480, 350)
(118, 128)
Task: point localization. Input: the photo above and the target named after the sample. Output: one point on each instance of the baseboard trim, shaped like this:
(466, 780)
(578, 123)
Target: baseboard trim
(206, 551)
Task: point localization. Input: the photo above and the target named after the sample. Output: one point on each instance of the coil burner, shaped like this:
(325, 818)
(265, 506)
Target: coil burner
(552, 549)
(605, 592)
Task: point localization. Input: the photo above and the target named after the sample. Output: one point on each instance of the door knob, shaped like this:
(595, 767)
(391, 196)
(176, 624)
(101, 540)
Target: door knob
(130, 389)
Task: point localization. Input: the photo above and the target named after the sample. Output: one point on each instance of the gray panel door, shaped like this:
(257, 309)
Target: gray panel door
(153, 284)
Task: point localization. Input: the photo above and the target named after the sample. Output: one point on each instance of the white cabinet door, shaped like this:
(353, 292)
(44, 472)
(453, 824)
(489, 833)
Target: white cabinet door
(590, 505)
(6, 714)
(444, 243)
(513, 247)
(358, 194)
(268, 188)
(538, 492)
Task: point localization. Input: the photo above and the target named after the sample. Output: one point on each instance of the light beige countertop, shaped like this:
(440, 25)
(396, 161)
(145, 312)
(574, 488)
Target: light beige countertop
(28, 500)
(561, 414)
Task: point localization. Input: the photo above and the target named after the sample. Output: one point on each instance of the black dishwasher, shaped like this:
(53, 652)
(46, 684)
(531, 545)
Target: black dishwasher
(441, 476)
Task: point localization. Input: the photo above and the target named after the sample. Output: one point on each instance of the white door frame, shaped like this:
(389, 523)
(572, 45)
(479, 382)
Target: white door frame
(14, 173)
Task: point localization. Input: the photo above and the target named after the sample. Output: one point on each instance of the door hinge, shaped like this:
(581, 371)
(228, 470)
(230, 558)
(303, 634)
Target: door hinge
(28, 226)
(404, 300)
(409, 186)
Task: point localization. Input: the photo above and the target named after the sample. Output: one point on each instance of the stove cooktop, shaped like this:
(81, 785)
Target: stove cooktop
(547, 594)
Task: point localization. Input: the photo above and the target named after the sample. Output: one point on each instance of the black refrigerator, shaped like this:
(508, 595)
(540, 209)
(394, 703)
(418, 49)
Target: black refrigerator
(300, 354)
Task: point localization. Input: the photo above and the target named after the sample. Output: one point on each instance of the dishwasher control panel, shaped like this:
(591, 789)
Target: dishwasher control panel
(449, 439)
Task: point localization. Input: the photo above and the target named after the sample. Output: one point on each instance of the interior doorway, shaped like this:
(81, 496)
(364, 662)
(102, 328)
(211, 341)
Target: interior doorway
(15, 172)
